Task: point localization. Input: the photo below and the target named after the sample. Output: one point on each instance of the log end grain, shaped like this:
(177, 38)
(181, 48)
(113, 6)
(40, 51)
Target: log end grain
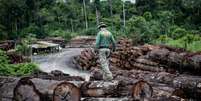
(66, 91)
(141, 90)
(25, 90)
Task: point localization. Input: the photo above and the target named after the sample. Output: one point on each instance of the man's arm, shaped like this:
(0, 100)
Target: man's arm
(113, 42)
(98, 41)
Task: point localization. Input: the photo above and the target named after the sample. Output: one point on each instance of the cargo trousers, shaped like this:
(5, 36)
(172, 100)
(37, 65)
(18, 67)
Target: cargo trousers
(104, 54)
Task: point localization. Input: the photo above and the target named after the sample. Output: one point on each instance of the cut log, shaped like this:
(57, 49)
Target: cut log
(50, 89)
(162, 98)
(189, 85)
(107, 99)
(47, 87)
(183, 62)
(66, 92)
(99, 89)
(56, 75)
(25, 90)
(142, 90)
(148, 57)
(147, 67)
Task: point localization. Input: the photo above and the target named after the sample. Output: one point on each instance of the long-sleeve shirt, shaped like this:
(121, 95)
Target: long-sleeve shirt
(104, 38)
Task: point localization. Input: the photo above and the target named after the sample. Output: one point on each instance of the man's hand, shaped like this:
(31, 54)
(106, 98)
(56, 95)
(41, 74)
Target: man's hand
(95, 50)
(113, 49)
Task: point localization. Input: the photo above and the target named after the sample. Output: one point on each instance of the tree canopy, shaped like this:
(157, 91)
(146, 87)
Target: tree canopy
(146, 19)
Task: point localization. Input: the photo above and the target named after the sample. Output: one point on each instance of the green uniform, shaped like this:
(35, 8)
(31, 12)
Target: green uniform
(103, 41)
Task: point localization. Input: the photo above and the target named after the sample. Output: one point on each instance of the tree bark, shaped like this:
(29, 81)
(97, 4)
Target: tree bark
(39, 89)
(124, 15)
(97, 16)
(85, 15)
(181, 61)
(111, 13)
(189, 85)
(71, 21)
(48, 89)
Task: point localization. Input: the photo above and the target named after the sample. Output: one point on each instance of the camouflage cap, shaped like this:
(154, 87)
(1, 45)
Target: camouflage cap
(102, 24)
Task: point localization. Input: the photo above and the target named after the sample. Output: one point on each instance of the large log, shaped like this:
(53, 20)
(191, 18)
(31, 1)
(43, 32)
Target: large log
(189, 85)
(28, 89)
(141, 90)
(162, 98)
(49, 88)
(147, 57)
(183, 62)
(57, 90)
(56, 75)
(66, 91)
(107, 99)
(25, 90)
(99, 89)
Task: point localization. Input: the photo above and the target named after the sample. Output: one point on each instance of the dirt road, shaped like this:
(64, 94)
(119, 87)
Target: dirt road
(60, 61)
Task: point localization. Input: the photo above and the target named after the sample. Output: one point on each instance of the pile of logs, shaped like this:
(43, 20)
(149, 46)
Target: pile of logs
(148, 72)
(183, 61)
(125, 57)
(82, 41)
(7, 45)
(128, 85)
(146, 57)
(87, 59)
(162, 73)
(55, 75)
(35, 89)
(16, 58)
(125, 54)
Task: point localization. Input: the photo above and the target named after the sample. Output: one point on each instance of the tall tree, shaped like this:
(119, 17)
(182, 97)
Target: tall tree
(98, 14)
(124, 14)
(85, 14)
(111, 13)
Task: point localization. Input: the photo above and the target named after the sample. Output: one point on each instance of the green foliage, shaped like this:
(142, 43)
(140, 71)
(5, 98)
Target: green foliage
(194, 46)
(145, 21)
(32, 30)
(145, 31)
(65, 34)
(23, 48)
(7, 69)
(24, 69)
(178, 33)
(90, 31)
(190, 42)
(137, 25)
(17, 69)
(147, 16)
(3, 58)
(163, 39)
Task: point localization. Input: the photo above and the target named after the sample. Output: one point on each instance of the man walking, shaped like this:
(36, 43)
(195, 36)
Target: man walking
(103, 41)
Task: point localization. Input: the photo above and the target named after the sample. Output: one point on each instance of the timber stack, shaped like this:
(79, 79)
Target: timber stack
(125, 57)
(142, 73)
(86, 60)
(146, 57)
(36, 89)
(125, 54)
